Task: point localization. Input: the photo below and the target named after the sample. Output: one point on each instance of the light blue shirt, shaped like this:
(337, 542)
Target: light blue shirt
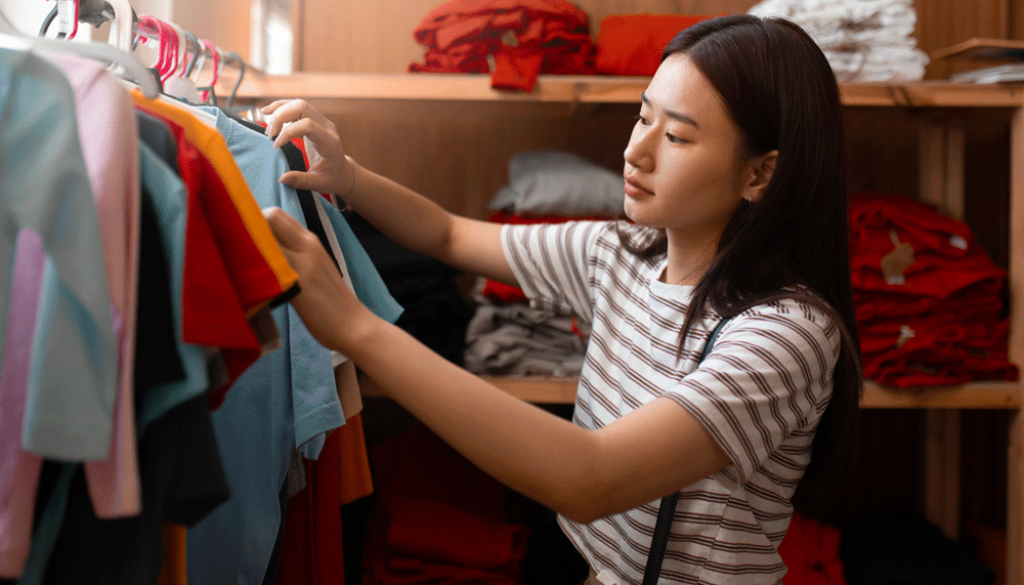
(286, 400)
(44, 187)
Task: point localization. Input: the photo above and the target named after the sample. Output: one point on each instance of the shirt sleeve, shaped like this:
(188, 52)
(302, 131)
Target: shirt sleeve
(554, 263)
(768, 377)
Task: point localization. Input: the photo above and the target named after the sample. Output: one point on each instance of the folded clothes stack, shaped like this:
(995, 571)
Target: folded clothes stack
(864, 40)
(506, 335)
(927, 297)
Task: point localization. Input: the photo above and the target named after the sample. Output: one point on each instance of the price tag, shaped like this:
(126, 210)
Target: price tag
(67, 17)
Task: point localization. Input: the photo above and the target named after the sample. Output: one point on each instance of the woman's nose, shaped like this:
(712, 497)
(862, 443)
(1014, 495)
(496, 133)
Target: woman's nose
(639, 152)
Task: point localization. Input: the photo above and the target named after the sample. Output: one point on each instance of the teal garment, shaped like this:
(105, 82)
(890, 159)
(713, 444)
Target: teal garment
(369, 286)
(169, 196)
(44, 186)
(286, 400)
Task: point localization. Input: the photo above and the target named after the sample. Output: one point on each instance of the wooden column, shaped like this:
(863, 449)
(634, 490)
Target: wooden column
(941, 183)
(1015, 461)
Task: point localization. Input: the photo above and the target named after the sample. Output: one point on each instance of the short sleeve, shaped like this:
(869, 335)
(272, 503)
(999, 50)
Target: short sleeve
(769, 376)
(554, 263)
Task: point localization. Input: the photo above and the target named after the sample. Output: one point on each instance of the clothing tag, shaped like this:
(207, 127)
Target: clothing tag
(905, 333)
(509, 39)
(896, 262)
(66, 16)
(958, 242)
(605, 578)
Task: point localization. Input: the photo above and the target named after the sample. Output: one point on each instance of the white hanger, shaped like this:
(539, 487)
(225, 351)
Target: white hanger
(121, 27)
(10, 38)
(6, 26)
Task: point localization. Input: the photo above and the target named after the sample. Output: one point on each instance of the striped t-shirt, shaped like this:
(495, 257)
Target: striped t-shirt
(760, 394)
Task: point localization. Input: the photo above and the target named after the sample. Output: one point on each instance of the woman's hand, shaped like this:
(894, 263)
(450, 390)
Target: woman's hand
(330, 171)
(331, 311)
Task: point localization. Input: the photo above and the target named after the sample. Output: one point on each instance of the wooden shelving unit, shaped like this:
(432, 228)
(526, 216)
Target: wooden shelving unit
(941, 182)
(568, 89)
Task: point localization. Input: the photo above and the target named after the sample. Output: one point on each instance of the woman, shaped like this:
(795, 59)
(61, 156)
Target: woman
(734, 179)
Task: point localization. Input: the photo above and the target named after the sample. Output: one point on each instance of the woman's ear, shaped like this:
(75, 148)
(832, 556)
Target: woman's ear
(759, 175)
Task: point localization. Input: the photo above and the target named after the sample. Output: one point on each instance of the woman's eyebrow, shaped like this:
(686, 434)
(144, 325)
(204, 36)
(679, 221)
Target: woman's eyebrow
(672, 114)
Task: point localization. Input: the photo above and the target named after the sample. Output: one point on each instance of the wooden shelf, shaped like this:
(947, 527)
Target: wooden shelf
(976, 395)
(567, 89)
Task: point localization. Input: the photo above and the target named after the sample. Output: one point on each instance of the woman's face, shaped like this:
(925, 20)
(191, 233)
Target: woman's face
(685, 168)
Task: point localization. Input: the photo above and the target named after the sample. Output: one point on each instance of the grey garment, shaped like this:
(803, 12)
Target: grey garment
(518, 340)
(296, 474)
(550, 182)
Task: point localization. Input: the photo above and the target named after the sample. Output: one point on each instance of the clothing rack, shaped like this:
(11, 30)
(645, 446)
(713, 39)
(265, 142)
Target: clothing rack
(99, 12)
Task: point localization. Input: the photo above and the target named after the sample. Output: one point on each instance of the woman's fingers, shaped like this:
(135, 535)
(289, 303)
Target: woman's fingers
(285, 112)
(288, 232)
(308, 128)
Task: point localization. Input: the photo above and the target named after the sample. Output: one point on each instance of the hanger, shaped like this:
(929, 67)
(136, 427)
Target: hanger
(122, 26)
(238, 83)
(136, 70)
(197, 51)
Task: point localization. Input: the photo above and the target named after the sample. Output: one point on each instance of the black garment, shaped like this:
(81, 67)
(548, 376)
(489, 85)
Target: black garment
(435, 312)
(901, 549)
(158, 137)
(270, 577)
(157, 360)
(182, 481)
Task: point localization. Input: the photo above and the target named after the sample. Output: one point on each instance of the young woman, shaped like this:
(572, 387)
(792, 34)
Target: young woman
(734, 179)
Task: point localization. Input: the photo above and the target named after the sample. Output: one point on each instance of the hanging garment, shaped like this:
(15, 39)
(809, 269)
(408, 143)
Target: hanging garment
(109, 135)
(45, 187)
(312, 542)
(525, 38)
(170, 207)
(285, 401)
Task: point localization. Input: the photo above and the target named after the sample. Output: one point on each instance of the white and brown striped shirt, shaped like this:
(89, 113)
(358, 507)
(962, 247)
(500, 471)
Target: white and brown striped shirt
(760, 393)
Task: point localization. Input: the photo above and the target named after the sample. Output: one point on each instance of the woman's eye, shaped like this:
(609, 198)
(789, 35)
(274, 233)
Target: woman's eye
(674, 139)
(643, 121)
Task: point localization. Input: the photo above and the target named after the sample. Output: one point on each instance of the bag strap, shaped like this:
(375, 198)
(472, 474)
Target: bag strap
(668, 504)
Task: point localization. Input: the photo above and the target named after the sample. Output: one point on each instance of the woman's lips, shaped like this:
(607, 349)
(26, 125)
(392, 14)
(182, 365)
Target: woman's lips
(633, 189)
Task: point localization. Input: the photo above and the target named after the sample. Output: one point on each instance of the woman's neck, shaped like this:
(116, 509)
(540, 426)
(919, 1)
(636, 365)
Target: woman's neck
(687, 259)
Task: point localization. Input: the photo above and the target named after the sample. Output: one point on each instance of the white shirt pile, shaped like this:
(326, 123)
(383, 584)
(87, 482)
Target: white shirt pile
(864, 40)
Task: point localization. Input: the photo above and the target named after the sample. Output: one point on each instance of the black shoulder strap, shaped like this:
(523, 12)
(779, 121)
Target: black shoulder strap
(668, 504)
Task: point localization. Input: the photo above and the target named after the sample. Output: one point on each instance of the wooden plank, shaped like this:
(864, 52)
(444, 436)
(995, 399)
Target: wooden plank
(1015, 460)
(978, 48)
(942, 471)
(955, 161)
(931, 164)
(585, 89)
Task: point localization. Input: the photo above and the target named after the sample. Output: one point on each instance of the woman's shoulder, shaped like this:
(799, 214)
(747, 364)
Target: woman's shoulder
(802, 319)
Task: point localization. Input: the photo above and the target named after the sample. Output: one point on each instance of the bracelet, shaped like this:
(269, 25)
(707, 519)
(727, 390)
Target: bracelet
(351, 188)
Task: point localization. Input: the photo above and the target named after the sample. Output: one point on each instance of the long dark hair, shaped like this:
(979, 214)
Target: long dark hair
(781, 92)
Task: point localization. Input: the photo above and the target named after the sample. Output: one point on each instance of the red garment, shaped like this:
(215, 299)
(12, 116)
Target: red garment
(311, 545)
(980, 300)
(501, 292)
(216, 269)
(526, 38)
(941, 350)
(946, 257)
(631, 44)
(438, 518)
(811, 553)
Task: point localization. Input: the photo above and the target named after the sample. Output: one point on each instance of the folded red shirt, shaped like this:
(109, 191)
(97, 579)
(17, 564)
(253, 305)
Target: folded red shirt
(631, 44)
(904, 246)
(525, 38)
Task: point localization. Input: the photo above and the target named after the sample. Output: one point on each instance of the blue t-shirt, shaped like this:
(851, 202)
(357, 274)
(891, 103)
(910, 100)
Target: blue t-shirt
(286, 401)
